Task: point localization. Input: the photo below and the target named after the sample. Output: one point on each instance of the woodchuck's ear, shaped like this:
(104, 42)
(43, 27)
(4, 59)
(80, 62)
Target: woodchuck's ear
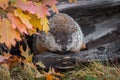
(84, 47)
(53, 31)
(74, 30)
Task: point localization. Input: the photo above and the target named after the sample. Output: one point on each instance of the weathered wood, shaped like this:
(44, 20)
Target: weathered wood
(106, 52)
(87, 7)
(87, 4)
(106, 48)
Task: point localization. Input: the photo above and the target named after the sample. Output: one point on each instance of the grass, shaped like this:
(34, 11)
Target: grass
(94, 71)
(26, 72)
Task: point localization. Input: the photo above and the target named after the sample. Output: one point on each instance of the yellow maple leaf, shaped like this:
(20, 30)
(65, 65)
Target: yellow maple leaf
(40, 23)
(23, 17)
(8, 35)
(44, 23)
(35, 21)
(31, 31)
(26, 54)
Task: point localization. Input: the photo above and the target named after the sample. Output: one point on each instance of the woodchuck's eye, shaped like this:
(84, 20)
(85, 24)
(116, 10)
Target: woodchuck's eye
(69, 40)
(58, 41)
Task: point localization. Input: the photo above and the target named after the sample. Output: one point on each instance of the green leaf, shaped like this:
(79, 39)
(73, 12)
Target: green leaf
(90, 78)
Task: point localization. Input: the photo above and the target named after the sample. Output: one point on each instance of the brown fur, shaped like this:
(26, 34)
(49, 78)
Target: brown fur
(64, 35)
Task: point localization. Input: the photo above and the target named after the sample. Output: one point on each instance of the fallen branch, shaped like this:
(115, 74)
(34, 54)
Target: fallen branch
(106, 52)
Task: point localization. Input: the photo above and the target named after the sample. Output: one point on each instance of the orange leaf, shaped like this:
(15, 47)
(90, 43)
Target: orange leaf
(54, 8)
(4, 4)
(16, 23)
(9, 60)
(8, 34)
(23, 17)
(13, 61)
(49, 77)
(51, 3)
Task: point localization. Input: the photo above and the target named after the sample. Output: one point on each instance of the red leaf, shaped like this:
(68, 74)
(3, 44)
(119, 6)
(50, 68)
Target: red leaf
(41, 10)
(51, 3)
(29, 6)
(16, 23)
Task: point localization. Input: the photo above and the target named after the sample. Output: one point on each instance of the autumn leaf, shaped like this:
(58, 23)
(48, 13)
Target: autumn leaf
(54, 8)
(9, 60)
(13, 61)
(41, 24)
(31, 31)
(16, 23)
(41, 10)
(44, 23)
(52, 71)
(52, 4)
(35, 21)
(4, 4)
(26, 54)
(3, 59)
(49, 77)
(23, 17)
(26, 6)
(7, 34)
(40, 64)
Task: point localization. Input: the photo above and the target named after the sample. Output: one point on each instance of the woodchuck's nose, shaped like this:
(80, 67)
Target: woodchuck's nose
(64, 49)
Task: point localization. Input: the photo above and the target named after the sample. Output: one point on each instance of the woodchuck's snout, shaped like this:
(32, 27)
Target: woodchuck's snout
(64, 40)
(64, 35)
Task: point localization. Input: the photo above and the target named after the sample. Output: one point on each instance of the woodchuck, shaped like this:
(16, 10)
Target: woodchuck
(65, 35)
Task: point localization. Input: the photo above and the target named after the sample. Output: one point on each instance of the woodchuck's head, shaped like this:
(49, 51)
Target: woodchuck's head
(62, 33)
